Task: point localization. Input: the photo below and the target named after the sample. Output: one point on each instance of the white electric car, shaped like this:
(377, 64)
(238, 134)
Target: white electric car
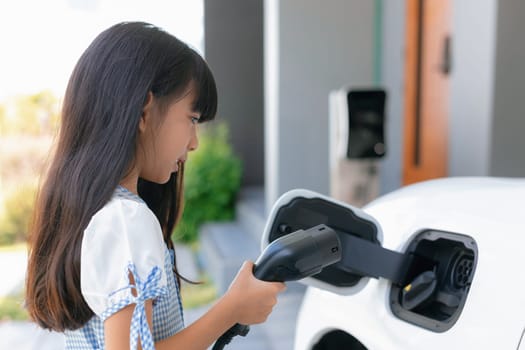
(434, 265)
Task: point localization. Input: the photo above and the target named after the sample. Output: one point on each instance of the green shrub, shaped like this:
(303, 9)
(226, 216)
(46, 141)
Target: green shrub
(12, 308)
(35, 114)
(212, 180)
(18, 207)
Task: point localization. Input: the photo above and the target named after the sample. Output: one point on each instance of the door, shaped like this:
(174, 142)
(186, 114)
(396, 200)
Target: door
(427, 65)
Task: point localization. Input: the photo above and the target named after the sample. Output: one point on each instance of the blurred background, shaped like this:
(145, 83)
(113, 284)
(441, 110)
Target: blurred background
(349, 98)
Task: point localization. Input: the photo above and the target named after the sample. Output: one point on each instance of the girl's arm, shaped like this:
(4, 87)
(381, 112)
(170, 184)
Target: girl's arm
(116, 327)
(247, 301)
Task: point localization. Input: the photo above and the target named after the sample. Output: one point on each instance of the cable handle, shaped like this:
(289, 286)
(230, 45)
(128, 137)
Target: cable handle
(291, 257)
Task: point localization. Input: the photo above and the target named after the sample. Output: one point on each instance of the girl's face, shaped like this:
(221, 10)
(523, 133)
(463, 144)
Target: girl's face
(163, 144)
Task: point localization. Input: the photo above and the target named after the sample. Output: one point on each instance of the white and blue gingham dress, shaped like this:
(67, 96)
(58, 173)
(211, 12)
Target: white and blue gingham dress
(125, 238)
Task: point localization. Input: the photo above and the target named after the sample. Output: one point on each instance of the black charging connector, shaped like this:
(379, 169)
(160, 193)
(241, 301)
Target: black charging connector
(297, 255)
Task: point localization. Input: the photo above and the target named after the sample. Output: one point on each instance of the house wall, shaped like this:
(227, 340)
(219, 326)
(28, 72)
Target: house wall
(484, 119)
(472, 87)
(311, 48)
(234, 51)
(393, 68)
(507, 156)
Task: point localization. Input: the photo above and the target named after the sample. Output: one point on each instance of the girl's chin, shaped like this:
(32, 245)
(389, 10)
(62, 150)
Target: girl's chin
(159, 179)
(165, 179)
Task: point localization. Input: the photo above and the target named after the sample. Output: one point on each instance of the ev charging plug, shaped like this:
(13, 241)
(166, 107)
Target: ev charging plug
(300, 254)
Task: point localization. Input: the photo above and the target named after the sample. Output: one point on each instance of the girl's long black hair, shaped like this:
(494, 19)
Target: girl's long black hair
(96, 148)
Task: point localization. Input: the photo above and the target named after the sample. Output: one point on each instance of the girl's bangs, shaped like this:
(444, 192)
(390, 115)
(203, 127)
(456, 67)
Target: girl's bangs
(206, 102)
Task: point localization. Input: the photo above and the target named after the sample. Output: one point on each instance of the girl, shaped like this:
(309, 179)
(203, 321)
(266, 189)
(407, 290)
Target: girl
(101, 262)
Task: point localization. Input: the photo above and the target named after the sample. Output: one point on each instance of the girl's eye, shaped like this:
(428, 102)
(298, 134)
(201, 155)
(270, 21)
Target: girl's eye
(194, 120)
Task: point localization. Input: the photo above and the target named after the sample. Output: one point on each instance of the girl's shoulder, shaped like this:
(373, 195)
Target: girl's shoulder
(125, 222)
(123, 237)
(123, 210)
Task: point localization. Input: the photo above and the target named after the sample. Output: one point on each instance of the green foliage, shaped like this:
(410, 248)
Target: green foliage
(14, 220)
(212, 180)
(35, 114)
(11, 308)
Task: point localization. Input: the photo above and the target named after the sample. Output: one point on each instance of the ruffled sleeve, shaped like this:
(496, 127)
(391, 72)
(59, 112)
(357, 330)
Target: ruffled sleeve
(124, 238)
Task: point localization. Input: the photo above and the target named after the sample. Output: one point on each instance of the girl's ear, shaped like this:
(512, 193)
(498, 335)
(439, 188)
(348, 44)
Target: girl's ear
(145, 118)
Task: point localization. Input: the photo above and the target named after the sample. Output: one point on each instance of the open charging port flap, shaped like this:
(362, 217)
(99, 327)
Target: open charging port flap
(430, 281)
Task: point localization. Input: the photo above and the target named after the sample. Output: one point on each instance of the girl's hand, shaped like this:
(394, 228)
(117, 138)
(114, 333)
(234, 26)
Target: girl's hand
(251, 299)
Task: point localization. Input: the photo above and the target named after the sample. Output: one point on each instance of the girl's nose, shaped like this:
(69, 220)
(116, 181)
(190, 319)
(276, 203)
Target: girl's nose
(194, 141)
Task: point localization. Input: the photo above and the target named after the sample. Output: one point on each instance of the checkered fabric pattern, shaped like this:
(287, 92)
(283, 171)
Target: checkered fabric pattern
(167, 308)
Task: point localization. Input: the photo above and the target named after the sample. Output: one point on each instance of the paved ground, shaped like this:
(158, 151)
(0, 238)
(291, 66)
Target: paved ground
(276, 334)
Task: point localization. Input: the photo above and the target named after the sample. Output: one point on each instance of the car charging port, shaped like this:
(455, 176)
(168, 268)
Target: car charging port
(437, 283)
(462, 270)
